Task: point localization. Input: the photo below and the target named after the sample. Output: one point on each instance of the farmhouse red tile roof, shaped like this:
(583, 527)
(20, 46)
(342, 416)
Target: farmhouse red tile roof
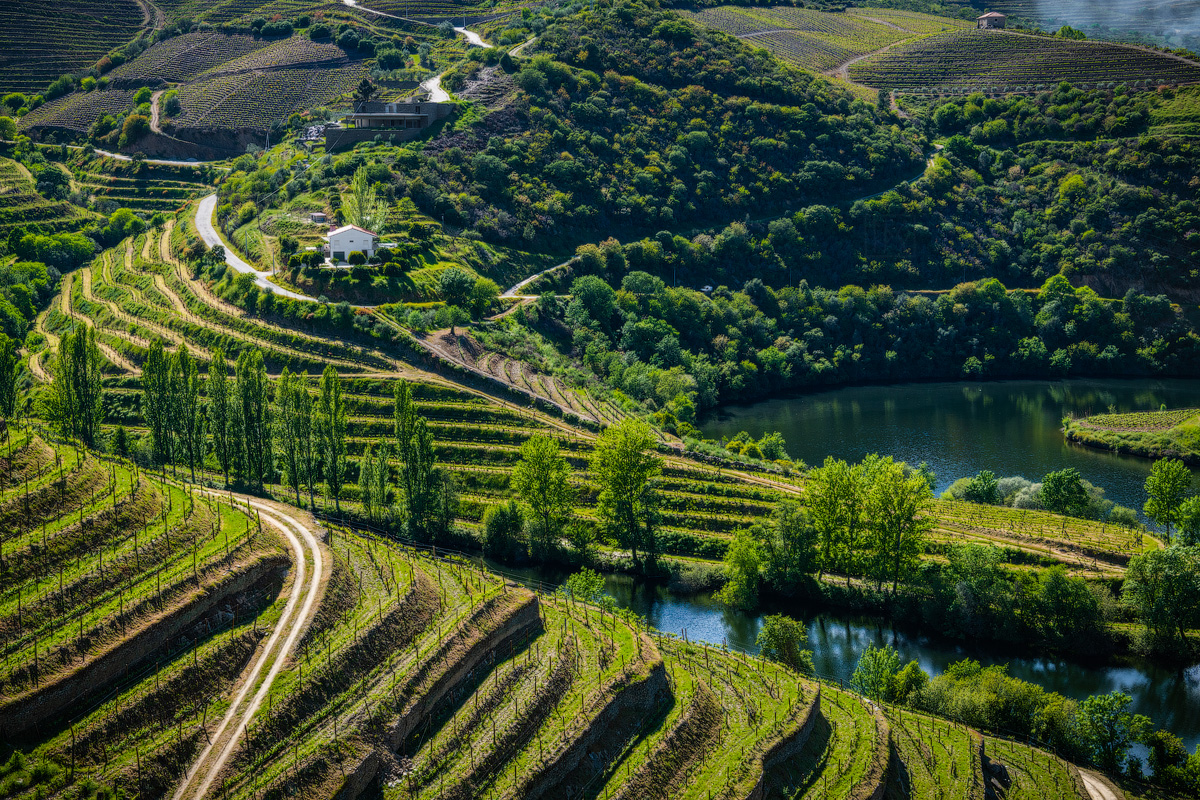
(345, 228)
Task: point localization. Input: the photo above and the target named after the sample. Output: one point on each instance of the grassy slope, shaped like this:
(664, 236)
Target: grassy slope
(1149, 434)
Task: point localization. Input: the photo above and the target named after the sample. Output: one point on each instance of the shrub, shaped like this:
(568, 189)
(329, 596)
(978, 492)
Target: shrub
(357, 258)
(136, 126)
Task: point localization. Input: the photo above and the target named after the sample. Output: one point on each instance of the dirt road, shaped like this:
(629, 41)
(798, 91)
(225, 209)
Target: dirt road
(308, 563)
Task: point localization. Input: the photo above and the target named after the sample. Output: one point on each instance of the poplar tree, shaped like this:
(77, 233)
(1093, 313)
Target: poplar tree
(252, 397)
(331, 428)
(374, 476)
(10, 361)
(190, 413)
(625, 468)
(307, 441)
(157, 402)
(287, 429)
(75, 402)
(219, 411)
(419, 478)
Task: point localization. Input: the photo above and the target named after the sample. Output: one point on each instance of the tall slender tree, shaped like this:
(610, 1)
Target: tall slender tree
(331, 427)
(252, 392)
(307, 441)
(220, 413)
(157, 401)
(541, 478)
(75, 402)
(10, 362)
(287, 429)
(190, 412)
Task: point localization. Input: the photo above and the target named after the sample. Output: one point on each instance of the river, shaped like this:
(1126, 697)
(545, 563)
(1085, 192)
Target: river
(1011, 428)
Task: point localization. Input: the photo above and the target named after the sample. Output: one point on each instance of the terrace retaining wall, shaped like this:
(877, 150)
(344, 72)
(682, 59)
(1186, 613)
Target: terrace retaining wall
(786, 747)
(36, 708)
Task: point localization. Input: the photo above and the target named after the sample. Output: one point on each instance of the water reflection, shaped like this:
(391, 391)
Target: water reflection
(1009, 427)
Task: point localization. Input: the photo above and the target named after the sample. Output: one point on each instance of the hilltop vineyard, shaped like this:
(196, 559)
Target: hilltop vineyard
(1003, 61)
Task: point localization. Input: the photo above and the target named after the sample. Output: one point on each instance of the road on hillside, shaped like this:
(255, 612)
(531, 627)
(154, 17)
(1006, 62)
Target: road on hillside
(208, 232)
(297, 614)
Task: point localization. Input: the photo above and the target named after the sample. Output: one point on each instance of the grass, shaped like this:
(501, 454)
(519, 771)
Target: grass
(1036, 774)
(940, 760)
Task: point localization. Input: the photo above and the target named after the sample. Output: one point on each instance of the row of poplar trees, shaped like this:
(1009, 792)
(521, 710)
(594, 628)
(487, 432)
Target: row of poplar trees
(249, 422)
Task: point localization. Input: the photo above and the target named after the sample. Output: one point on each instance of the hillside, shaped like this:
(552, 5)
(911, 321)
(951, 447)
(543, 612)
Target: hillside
(1005, 61)
(1149, 434)
(39, 42)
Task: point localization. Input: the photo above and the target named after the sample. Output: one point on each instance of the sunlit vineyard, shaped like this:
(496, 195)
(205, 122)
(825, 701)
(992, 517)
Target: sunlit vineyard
(77, 111)
(1003, 61)
(819, 40)
(236, 101)
(182, 58)
(41, 41)
(22, 206)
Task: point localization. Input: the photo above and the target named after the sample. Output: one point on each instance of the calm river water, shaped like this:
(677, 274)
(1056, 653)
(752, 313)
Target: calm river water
(1011, 428)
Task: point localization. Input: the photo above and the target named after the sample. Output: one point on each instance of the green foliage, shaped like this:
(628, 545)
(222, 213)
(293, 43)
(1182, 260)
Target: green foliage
(782, 639)
(10, 363)
(788, 546)
(1063, 493)
(503, 525)
(876, 671)
(74, 402)
(541, 478)
(331, 433)
(361, 206)
(983, 488)
(628, 501)
(456, 286)
(742, 565)
(1108, 728)
(586, 586)
(1164, 587)
(1166, 488)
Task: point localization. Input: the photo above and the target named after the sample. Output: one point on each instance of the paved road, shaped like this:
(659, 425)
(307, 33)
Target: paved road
(208, 232)
(436, 93)
(516, 290)
(297, 614)
(473, 38)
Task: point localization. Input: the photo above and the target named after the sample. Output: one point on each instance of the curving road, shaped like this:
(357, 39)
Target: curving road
(208, 232)
(299, 611)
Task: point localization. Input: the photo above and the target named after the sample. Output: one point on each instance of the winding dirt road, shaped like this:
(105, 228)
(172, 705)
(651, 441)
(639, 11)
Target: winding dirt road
(309, 564)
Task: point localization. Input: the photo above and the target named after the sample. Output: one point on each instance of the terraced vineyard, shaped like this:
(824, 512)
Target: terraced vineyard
(820, 40)
(1173, 433)
(1005, 61)
(236, 101)
(149, 190)
(22, 206)
(41, 41)
(98, 559)
(77, 111)
(182, 58)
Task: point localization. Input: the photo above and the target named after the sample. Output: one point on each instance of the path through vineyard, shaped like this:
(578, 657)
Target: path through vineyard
(308, 578)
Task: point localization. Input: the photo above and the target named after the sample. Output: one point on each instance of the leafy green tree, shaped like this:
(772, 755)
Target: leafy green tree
(456, 286)
(1189, 521)
(502, 526)
(782, 639)
(788, 542)
(1109, 727)
(374, 479)
(419, 478)
(586, 586)
(331, 433)
(1164, 587)
(483, 294)
(876, 672)
(287, 424)
(189, 412)
(1063, 493)
(220, 412)
(984, 488)
(158, 398)
(75, 401)
(1166, 488)
(252, 409)
(897, 506)
(10, 362)
(835, 498)
(541, 478)
(625, 466)
(742, 568)
(361, 207)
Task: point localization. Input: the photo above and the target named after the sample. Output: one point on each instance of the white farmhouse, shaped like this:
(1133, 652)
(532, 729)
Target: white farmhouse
(348, 239)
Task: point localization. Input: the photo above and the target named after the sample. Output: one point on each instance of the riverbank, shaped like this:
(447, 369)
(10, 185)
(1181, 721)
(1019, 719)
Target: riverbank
(1148, 434)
